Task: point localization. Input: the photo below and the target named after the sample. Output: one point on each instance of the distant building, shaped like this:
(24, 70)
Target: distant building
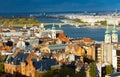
(52, 33)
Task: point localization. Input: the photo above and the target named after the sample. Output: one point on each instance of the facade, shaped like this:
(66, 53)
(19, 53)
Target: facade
(116, 58)
(99, 51)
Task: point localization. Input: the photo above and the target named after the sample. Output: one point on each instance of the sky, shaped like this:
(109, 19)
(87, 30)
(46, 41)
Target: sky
(7, 6)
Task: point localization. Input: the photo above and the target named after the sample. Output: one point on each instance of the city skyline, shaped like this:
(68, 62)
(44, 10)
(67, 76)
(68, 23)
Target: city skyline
(8, 6)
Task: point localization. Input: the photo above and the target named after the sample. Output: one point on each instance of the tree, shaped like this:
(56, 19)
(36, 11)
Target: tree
(102, 22)
(109, 69)
(19, 21)
(1, 67)
(2, 58)
(93, 71)
(78, 20)
(6, 22)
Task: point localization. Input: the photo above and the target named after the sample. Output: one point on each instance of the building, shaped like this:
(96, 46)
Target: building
(107, 52)
(116, 57)
(108, 44)
(52, 33)
(27, 64)
(99, 53)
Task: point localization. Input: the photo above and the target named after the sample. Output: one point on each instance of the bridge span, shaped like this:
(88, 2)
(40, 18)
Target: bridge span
(60, 24)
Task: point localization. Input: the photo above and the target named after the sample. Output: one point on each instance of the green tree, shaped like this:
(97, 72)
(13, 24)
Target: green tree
(102, 22)
(19, 21)
(78, 20)
(2, 58)
(1, 67)
(109, 69)
(6, 22)
(93, 71)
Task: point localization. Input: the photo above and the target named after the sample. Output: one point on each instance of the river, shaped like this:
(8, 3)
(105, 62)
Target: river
(96, 34)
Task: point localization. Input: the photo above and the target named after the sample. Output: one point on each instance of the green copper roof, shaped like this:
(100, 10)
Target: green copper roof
(53, 27)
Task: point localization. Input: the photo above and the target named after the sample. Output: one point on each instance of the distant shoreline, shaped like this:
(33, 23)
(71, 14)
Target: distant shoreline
(98, 27)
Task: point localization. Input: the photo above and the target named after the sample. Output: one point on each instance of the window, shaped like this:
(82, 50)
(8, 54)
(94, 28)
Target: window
(118, 53)
(118, 64)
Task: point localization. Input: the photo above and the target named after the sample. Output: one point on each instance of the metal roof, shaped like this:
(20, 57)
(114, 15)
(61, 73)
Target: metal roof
(56, 47)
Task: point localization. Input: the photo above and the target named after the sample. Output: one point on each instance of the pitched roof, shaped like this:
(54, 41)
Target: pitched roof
(20, 57)
(45, 64)
(56, 47)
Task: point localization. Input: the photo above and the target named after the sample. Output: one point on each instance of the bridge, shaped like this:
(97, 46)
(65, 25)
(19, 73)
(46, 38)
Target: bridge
(60, 24)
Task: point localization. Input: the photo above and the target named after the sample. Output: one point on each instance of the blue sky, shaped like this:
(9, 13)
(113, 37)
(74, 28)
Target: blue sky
(57, 5)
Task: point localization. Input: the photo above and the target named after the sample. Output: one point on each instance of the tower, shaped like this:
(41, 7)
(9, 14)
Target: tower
(114, 35)
(107, 47)
(107, 36)
(53, 32)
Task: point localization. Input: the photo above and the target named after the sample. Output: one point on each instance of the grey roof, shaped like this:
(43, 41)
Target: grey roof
(28, 48)
(56, 47)
(45, 64)
(10, 59)
(20, 57)
(41, 65)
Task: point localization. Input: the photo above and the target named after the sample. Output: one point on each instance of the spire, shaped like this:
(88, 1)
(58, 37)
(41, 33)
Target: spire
(53, 27)
(114, 34)
(107, 35)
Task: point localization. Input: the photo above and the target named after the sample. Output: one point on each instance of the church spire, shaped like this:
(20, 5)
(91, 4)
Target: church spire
(53, 32)
(53, 27)
(107, 35)
(114, 34)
